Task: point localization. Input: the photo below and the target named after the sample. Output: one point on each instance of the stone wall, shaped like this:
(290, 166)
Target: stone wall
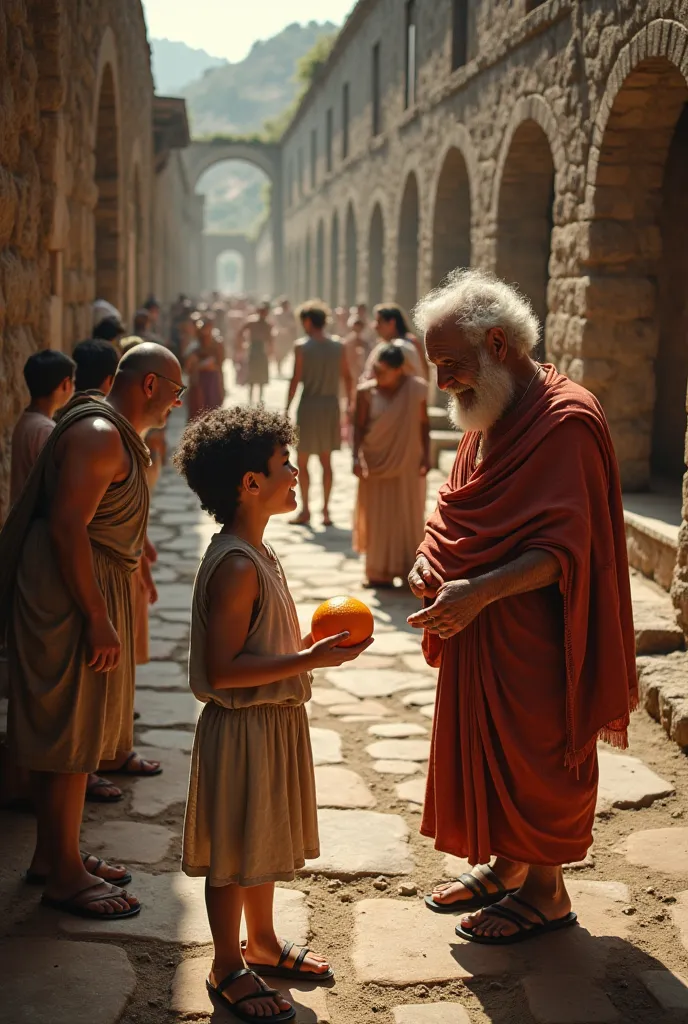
(554, 156)
(76, 178)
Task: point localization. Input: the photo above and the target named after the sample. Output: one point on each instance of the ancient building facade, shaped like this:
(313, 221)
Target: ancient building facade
(78, 163)
(546, 141)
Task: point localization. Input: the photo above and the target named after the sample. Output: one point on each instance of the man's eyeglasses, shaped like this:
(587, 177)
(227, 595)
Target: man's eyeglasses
(181, 389)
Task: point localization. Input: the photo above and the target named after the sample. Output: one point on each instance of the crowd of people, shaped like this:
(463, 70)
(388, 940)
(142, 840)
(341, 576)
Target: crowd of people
(520, 594)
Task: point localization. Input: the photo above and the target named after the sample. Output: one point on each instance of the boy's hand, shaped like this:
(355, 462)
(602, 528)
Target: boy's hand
(326, 654)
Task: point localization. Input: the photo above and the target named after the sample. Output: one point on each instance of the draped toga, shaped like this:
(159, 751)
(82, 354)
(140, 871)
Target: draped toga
(526, 690)
(64, 717)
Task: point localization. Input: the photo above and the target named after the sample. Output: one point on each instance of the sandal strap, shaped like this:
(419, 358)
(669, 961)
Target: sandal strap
(99, 781)
(298, 963)
(512, 916)
(286, 950)
(234, 976)
(491, 877)
(87, 856)
(128, 760)
(529, 906)
(474, 885)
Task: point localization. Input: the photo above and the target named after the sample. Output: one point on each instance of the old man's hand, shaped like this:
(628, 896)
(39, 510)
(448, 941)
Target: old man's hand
(456, 605)
(423, 580)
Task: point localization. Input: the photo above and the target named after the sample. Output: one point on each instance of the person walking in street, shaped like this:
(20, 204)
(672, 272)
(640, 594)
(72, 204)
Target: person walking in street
(203, 362)
(67, 554)
(392, 328)
(259, 333)
(285, 333)
(524, 576)
(251, 815)
(391, 460)
(320, 365)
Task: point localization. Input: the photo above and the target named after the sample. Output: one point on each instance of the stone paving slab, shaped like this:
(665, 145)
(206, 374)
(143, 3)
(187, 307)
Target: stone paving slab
(324, 697)
(327, 746)
(431, 1013)
(168, 739)
(173, 911)
(419, 698)
(397, 730)
(567, 999)
(358, 843)
(679, 915)
(413, 791)
(363, 707)
(174, 615)
(178, 631)
(399, 750)
(397, 942)
(151, 797)
(161, 650)
(428, 711)
(396, 767)
(167, 708)
(669, 989)
(190, 997)
(174, 595)
(127, 842)
(626, 782)
(417, 663)
(662, 849)
(340, 787)
(45, 981)
(397, 643)
(360, 718)
(380, 683)
(161, 675)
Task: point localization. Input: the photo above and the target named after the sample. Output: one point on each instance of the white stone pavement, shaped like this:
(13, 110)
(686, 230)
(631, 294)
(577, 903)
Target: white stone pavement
(361, 902)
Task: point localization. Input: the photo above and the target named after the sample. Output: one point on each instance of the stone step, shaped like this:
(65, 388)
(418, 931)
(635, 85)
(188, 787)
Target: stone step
(654, 616)
(663, 684)
(652, 525)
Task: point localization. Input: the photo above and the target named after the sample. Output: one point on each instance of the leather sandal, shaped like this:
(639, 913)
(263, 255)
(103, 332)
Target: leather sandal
(527, 929)
(482, 897)
(218, 991)
(297, 970)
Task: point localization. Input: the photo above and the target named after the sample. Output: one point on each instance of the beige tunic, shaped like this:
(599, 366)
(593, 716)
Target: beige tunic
(318, 417)
(64, 717)
(390, 509)
(251, 815)
(30, 434)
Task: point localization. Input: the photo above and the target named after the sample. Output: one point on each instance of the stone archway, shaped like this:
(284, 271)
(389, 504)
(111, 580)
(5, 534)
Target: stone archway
(376, 251)
(451, 232)
(351, 286)
(407, 249)
(107, 214)
(636, 335)
(214, 245)
(524, 216)
(334, 261)
(320, 261)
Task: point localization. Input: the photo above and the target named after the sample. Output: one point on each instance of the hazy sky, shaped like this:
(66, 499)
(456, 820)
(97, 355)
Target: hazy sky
(228, 28)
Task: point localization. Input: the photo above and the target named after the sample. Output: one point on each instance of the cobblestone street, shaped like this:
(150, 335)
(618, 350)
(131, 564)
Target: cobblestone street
(361, 904)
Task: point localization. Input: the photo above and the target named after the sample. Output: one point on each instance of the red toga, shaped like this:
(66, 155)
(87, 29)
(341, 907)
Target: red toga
(526, 690)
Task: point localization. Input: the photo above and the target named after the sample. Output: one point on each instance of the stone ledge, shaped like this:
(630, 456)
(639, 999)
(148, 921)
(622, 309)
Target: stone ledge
(652, 546)
(663, 682)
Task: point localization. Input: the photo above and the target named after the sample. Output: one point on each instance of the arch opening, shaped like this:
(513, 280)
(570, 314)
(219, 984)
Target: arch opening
(638, 310)
(451, 232)
(334, 261)
(376, 245)
(407, 265)
(107, 180)
(230, 273)
(525, 217)
(320, 261)
(351, 284)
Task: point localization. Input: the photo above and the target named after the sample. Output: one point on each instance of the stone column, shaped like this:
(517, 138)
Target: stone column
(277, 224)
(679, 587)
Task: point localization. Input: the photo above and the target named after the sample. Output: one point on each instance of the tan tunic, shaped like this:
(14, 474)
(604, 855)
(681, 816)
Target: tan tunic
(30, 434)
(318, 417)
(64, 717)
(390, 507)
(251, 815)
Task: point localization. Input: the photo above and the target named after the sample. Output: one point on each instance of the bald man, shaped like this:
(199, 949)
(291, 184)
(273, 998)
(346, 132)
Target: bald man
(68, 553)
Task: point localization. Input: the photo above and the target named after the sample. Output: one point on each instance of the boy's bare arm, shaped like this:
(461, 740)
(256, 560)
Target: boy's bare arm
(296, 378)
(232, 593)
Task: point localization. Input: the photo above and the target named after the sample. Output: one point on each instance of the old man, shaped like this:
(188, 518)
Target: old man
(527, 612)
(68, 553)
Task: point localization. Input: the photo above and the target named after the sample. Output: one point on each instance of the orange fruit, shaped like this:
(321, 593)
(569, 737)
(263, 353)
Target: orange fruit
(340, 615)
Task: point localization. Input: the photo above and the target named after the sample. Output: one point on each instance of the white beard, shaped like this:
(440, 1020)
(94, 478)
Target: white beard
(493, 391)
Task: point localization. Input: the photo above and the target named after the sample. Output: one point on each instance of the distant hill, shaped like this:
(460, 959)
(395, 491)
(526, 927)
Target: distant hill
(238, 99)
(176, 65)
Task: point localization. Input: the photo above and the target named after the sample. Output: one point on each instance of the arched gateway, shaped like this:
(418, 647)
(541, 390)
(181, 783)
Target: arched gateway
(200, 156)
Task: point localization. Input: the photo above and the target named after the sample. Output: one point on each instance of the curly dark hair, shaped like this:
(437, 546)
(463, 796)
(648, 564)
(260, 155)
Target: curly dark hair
(218, 448)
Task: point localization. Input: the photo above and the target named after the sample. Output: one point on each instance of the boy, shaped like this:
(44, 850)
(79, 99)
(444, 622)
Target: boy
(49, 376)
(251, 816)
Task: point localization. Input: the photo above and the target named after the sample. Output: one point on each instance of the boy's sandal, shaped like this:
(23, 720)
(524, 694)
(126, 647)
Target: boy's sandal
(36, 878)
(527, 929)
(78, 905)
(235, 1005)
(482, 897)
(297, 970)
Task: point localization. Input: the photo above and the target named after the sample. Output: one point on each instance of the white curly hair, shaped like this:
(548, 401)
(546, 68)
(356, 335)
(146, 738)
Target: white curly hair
(477, 301)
